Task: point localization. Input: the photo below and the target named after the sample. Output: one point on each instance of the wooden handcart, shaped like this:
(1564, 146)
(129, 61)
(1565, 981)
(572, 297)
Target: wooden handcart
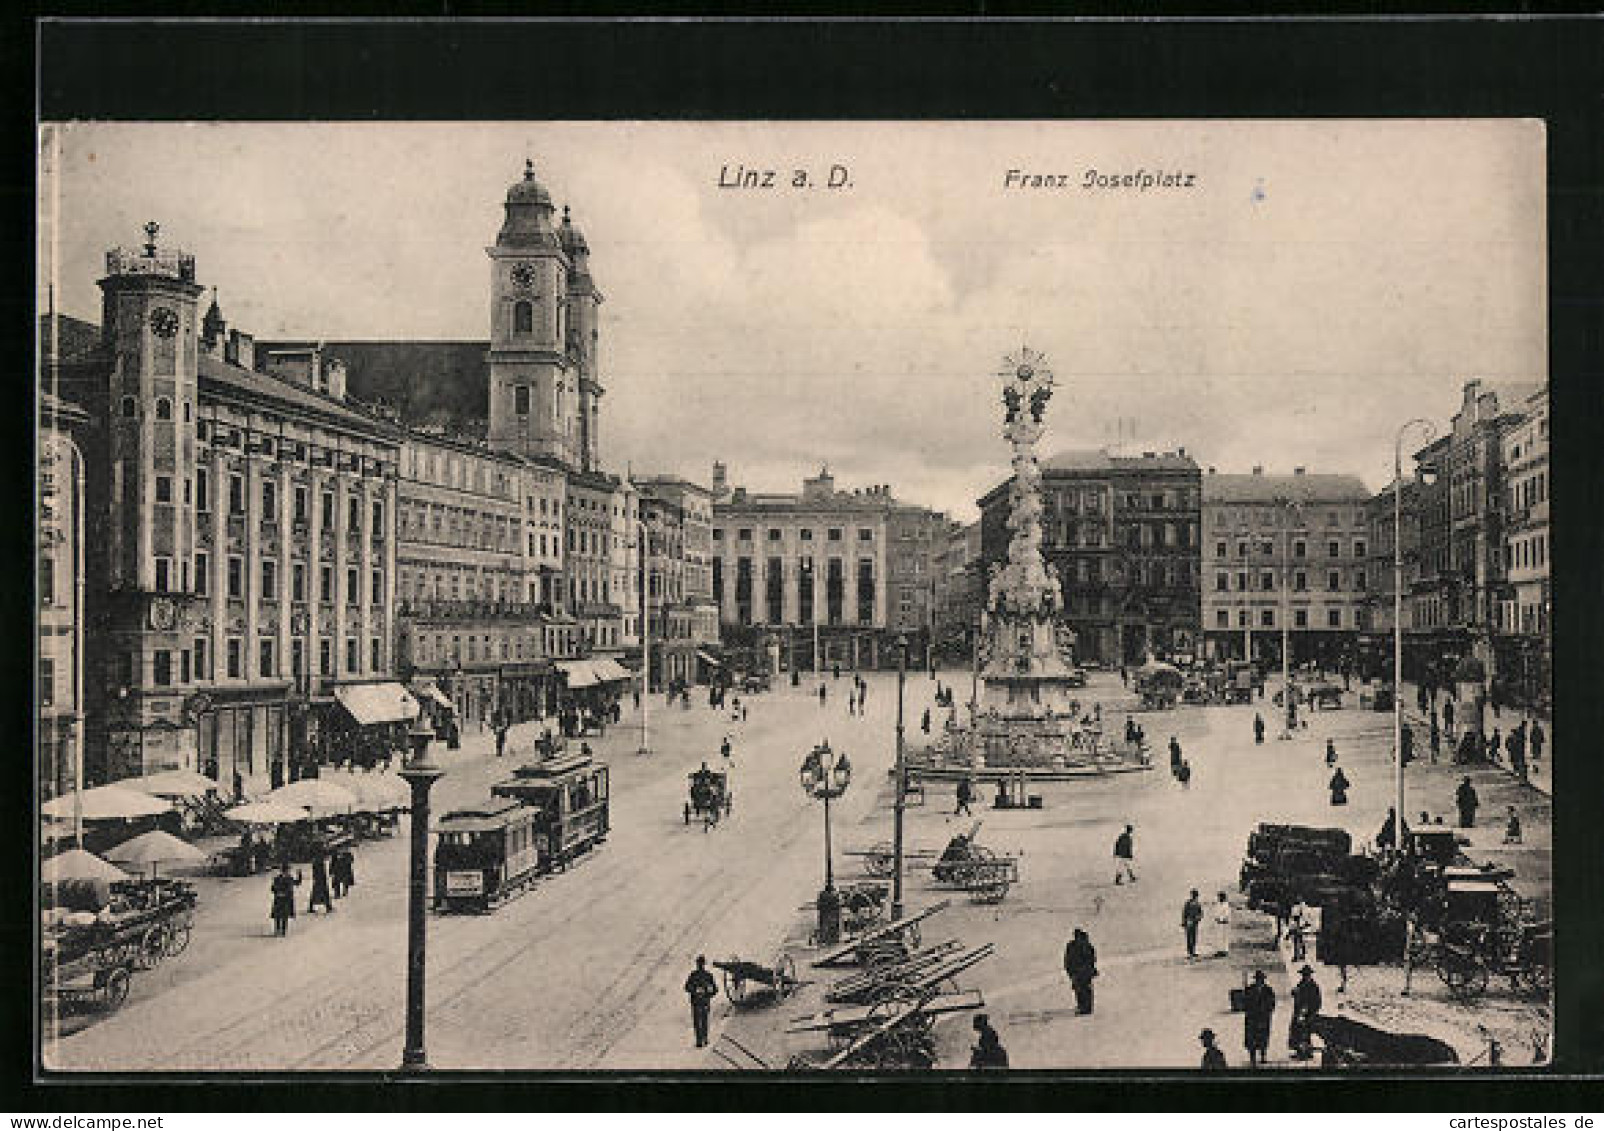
(894, 1034)
(904, 932)
(750, 983)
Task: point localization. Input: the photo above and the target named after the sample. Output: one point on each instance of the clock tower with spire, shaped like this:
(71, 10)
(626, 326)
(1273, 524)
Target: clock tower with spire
(535, 395)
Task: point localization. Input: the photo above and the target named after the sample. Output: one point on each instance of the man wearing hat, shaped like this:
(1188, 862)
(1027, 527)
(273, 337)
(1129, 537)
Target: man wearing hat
(988, 1051)
(1305, 1008)
(702, 989)
(1213, 1058)
(1258, 1007)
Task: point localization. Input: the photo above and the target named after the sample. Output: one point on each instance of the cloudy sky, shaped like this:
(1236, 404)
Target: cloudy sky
(1319, 282)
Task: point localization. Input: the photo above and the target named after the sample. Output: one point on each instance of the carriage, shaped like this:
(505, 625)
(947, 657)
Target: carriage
(89, 958)
(1474, 926)
(569, 796)
(710, 796)
(76, 976)
(485, 855)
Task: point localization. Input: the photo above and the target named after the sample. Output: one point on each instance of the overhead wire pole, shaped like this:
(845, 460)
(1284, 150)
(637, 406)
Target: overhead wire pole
(1397, 623)
(901, 787)
(1288, 716)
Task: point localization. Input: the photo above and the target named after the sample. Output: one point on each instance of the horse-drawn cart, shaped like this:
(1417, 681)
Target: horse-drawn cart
(710, 796)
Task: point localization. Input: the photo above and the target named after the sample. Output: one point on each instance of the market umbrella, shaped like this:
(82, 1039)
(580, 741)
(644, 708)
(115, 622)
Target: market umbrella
(153, 848)
(175, 783)
(266, 813)
(76, 864)
(107, 803)
(368, 791)
(315, 794)
(397, 793)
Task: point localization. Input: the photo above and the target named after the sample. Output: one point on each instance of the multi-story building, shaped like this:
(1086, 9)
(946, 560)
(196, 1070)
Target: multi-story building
(792, 569)
(597, 505)
(677, 517)
(474, 617)
(1374, 653)
(1524, 640)
(1464, 580)
(959, 590)
(242, 577)
(914, 542)
(61, 545)
(1122, 534)
(1285, 552)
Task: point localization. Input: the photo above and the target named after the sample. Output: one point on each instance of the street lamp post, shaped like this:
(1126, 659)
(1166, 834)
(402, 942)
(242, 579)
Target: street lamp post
(901, 787)
(421, 774)
(1429, 430)
(825, 775)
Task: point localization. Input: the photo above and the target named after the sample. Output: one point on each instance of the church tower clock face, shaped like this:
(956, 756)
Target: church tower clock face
(523, 276)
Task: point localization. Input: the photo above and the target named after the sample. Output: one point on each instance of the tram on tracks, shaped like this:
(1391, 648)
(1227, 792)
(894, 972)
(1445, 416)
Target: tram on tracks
(537, 821)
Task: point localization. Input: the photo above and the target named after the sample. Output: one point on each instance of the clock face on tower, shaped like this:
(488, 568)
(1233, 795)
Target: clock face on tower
(523, 276)
(164, 321)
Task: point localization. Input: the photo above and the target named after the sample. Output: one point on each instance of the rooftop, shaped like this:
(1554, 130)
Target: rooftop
(1300, 488)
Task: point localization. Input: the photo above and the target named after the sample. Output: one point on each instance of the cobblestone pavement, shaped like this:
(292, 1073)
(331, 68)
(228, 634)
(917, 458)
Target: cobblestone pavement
(586, 970)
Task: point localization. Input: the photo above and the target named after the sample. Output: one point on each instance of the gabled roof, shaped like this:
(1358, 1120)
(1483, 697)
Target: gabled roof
(223, 377)
(73, 337)
(1218, 488)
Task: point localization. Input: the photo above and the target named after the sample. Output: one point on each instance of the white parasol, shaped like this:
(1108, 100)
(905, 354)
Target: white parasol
(106, 803)
(266, 813)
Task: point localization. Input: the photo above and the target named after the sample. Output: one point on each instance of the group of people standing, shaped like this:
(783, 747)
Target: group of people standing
(333, 877)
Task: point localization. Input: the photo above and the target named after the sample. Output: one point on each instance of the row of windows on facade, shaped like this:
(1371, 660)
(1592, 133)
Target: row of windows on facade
(1267, 516)
(234, 580)
(1300, 618)
(465, 473)
(128, 407)
(1528, 552)
(169, 668)
(1300, 581)
(1093, 500)
(457, 585)
(1094, 571)
(775, 534)
(439, 648)
(1300, 548)
(300, 502)
(1529, 491)
(454, 526)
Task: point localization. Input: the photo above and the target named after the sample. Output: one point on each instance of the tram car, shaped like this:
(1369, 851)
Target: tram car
(570, 799)
(485, 854)
(534, 822)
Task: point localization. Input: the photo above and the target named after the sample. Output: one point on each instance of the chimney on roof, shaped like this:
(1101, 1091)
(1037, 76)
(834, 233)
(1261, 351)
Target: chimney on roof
(1181, 452)
(1258, 469)
(1147, 455)
(1211, 471)
(240, 350)
(721, 483)
(1297, 471)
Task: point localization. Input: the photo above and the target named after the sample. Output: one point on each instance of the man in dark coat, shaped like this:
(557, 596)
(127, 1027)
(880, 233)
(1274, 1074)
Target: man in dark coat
(1191, 916)
(1331, 752)
(1339, 787)
(1436, 739)
(1080, 963)
(1213, 1058)
(988, 1051)
(1258, 1007)
(1537, 741)
(1258, 730)
(965, 796)
(283, 909)
(1175, 755)
(1305, 1008)
(1406, 738)
(320, 884)
(342, 872)
(1125, 856)
(1466, 800)
(701, 989)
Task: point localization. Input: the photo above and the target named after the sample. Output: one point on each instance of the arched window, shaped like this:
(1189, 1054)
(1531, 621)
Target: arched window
(164, 408)
(130, 407)
(523, 318)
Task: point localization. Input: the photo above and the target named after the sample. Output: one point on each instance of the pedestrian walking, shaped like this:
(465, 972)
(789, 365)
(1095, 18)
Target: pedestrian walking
(1436, 740)
(1406, 737)
(1258, 730)
(342, 872)
(821, 693)
(1518, 763)
(1495, 745)
(1448, 717)
(1537, 741)
(1258, 1009)
(1331, 752)
(1125, 856)
(988, 1051)
(1080, 963)
(1305, 1008)
(1183, 773)
(501, 739)
(724, 748)
(1466, 801)
(924, 722)
(701, 989)
(283, 908)
(1191, 916)
(1213, 1058)
(1298, 929)
(965, 796)
(635, 695)
(1387, 837)
(1175, 755)
(239, 788)
(1339, 787)
(320, 884)
(1512, 829)
(1124, 677)
(1219, 936)
(836, 670)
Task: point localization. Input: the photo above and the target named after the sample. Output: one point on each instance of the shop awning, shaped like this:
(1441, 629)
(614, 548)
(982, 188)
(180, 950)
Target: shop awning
(578, 672)
(609, 670)
(709, 659)
(430, 690)
(374, 703)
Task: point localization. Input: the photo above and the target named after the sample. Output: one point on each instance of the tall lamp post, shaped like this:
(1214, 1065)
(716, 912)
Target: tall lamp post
(1427, 474)
(421, 774)
(825, 775)
(902, 785)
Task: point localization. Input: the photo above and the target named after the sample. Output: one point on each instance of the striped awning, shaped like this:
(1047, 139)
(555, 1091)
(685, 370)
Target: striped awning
(374, 703)
(579, 673)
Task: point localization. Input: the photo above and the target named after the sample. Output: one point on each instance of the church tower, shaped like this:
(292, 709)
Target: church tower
(583, 342)
(534, 384)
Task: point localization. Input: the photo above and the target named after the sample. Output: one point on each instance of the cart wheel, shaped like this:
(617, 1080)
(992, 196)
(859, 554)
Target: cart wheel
(177, 939)
(1464, 974)
(735, 988)
(114, 991)
(879, 860)
(152, 947)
